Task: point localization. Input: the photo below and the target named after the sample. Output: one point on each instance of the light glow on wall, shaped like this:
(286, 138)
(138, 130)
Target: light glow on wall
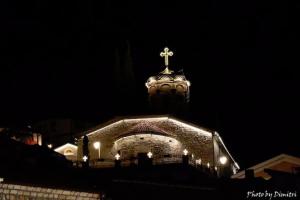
(125, 120)
(158, 137)
(66, 146)
(108, 126)
(206, 133)
(148, 119)
(171, 126)
(145, 143)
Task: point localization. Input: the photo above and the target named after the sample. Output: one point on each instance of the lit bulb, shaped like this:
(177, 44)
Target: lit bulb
(185, 152)
(199, 161)
(117, 156)
(96, 145)
(188, 83)
(223, 160)
(149, 154)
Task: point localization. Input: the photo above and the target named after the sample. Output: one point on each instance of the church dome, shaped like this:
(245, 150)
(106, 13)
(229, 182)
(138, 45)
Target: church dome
(168, 90)
(168, 78)
(179, 78)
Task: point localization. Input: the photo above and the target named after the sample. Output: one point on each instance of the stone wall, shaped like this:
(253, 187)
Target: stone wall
(196, 140)
(159, 145)
(18, 192)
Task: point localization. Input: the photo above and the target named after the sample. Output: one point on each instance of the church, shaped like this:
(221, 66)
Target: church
(157, 139)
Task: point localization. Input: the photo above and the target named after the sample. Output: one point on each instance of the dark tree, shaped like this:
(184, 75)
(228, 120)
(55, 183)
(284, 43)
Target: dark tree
(85, 149)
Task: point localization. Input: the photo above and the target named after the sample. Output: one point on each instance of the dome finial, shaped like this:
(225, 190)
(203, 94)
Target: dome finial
(166, 53)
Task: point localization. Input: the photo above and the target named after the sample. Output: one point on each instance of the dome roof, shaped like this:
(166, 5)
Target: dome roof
(167, 75)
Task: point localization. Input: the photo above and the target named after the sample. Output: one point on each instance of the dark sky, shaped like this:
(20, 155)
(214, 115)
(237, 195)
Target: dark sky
(90, 60)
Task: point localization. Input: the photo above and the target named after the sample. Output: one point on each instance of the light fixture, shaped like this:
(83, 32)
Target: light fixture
(49, 146)
(216, 168)
(97, 145)
(193, 156)
(188, 83)
(84, 158)
(185, 152)
(117, 156)
(223, 160)
(208, 165)
(234, 170)
(198, 161)
(149, 154)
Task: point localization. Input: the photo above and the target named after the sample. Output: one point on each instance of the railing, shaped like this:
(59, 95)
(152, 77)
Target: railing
(166, 159)
(170, 159)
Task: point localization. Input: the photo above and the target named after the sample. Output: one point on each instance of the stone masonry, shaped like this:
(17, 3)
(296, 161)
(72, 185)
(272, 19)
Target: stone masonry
(21, 192)
(120, 135)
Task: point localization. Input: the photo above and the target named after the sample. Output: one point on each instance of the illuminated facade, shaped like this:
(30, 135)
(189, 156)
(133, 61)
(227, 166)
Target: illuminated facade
(159, 139)
(167, 138)
(68, 150)
(24, 135)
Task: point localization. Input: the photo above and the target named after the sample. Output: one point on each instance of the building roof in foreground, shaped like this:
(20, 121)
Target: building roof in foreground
(282, 162)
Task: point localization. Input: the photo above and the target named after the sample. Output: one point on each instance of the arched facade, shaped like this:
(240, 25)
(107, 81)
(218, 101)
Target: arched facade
(165, 137)
(68, 150)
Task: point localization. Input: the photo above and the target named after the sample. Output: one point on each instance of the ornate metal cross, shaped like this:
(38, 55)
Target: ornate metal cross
(166, 53)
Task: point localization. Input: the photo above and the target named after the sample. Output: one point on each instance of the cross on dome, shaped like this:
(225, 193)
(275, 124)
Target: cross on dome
(166, 53)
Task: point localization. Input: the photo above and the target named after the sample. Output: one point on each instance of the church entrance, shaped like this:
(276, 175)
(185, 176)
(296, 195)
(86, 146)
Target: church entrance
(143, 159)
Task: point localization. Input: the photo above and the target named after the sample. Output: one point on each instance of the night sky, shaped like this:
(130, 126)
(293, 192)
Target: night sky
(90, 59)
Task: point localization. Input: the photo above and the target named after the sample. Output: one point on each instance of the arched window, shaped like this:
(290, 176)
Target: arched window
(68, 152)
